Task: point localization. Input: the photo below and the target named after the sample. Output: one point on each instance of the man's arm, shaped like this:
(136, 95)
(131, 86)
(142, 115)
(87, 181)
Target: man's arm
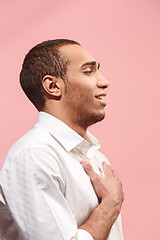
(110, 194)
(34, 186)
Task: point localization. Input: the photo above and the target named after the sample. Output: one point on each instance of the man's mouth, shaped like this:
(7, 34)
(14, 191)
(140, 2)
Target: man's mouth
(100, 97)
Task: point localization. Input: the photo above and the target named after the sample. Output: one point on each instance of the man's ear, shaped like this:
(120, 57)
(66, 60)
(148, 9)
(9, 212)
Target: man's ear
(52, 85)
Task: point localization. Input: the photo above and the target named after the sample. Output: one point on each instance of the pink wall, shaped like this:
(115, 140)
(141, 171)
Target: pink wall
(125, 37)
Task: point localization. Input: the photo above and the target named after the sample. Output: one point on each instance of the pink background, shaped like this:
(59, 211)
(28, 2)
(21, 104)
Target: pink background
(124, 36)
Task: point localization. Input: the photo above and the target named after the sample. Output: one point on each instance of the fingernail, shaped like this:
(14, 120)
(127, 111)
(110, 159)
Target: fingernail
(84, 162)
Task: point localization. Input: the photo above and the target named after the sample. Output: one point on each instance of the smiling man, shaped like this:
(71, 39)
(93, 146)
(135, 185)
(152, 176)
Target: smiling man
(55, 184)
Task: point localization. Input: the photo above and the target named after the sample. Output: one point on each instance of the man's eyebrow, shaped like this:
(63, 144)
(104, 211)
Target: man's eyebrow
(92, 63)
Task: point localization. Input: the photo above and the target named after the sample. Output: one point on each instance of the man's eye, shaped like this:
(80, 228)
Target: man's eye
(88, 72)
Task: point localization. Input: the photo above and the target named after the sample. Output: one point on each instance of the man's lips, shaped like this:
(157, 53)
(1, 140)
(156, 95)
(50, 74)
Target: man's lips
(100, 97)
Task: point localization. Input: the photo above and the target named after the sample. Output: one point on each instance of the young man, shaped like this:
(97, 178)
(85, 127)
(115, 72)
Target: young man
(55, 184)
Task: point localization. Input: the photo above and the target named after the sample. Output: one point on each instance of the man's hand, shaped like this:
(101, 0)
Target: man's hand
(110, 194)
(108, 188)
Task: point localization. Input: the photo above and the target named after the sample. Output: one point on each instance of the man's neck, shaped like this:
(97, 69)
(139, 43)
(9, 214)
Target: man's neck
(69, 122)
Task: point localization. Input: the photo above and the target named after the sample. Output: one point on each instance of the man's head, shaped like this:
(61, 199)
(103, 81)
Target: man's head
(62, 78)
(43, 59)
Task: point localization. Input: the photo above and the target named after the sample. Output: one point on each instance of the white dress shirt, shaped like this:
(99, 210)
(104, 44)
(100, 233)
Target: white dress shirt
(45, 193)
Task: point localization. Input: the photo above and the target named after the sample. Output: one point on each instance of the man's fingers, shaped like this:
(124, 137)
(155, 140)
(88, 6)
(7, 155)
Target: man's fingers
(115, 174)
(109, 170)
(88, 168)
(106, 168)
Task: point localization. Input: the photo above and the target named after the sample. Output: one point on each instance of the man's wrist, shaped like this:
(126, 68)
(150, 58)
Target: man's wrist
(101, 220)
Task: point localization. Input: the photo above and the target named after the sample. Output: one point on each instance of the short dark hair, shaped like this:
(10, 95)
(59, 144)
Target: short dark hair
(43, 59)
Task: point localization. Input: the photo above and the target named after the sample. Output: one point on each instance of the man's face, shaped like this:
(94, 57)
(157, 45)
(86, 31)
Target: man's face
(85, 92)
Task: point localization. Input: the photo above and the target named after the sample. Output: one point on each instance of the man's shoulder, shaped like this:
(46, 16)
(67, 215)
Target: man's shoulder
(35, 149)
(37, 137)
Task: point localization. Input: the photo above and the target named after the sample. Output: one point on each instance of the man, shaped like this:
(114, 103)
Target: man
(55, 184)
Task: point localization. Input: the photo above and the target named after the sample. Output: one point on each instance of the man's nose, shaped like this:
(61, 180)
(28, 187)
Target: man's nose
(102, 82)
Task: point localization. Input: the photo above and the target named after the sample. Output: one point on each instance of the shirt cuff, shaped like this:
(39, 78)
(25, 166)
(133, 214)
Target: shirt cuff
(84, 235)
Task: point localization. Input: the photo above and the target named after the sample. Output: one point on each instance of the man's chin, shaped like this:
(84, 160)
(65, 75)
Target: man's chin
(100, 117)
(96, 118)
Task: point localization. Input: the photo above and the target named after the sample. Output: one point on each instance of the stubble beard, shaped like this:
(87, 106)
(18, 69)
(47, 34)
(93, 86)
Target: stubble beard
(82, 117)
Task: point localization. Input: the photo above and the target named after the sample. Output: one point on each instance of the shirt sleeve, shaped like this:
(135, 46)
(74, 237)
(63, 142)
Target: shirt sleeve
(34, 188)
(82, 234)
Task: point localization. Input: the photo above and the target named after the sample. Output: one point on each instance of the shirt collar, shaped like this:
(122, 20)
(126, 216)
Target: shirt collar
(65, 135)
